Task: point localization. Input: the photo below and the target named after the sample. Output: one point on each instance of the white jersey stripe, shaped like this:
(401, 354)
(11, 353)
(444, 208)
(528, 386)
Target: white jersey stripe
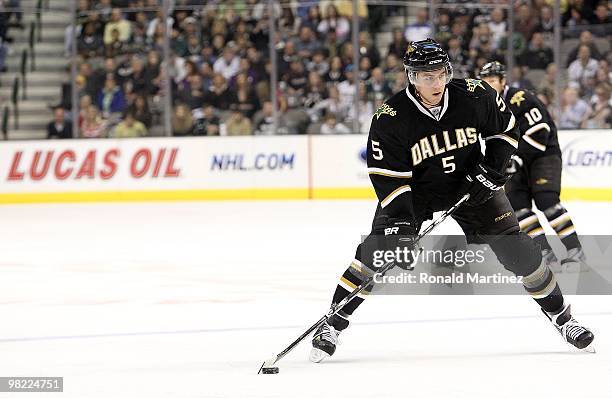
(389, 173)
(504, 137)
(395, 194)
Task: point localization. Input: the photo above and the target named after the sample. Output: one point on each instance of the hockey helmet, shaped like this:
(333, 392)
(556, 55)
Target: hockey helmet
(426, 55)
(494, 68)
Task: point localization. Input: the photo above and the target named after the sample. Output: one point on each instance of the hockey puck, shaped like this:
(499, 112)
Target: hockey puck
(270, 371)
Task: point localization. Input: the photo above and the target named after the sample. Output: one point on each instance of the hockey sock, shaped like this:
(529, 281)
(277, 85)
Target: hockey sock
(529, 223)
(354, 275)
(542, 286)
(559, 219)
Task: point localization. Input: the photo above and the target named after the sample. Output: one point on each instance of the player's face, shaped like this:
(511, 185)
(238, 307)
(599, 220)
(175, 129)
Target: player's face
(431, 85)
(496, 82)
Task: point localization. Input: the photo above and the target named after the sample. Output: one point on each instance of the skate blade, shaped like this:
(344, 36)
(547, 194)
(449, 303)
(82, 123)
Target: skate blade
(590, 349)
(317, 355)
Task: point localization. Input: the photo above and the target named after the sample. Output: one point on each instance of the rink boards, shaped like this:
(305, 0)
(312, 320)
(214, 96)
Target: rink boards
(246, 168)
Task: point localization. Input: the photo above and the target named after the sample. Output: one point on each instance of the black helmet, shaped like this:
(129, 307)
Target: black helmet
(494, 68)
(426, 55)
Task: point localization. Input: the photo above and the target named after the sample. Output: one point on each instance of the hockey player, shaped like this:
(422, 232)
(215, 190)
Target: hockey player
(535, 169)
(423, 153)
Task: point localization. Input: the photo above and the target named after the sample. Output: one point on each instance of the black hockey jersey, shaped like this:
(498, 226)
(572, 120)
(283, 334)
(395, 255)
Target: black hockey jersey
(536, 127)
(416, 155)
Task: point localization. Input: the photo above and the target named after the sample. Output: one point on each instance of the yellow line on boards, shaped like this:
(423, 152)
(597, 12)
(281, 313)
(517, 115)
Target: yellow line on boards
(586, 194)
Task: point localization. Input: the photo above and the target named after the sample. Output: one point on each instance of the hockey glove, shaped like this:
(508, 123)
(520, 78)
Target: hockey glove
(514, 165)
(482, 183)
(399, 238)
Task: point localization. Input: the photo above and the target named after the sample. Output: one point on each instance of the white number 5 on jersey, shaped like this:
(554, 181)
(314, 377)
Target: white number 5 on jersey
(376, 151)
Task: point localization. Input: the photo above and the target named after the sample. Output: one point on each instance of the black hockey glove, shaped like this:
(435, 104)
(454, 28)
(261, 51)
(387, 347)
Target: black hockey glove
(482, 183)
(514, 165)
(399, 239)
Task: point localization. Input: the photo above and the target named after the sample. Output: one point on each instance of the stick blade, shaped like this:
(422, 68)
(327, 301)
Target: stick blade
(267, 367)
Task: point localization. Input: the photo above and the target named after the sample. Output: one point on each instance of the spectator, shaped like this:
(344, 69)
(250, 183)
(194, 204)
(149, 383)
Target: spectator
(365, 110)
(316, 90)
(238, 124)
(331, 125)
(229, 64)
(111, 99)
(347, 87)
(420, 30)
(140, 109)
(156, 24)
(116, 47)
(377, 86)
(84, 104)
(335, 75)
(519, 80)
(182, 121)
(392, 65)
(586, 39)
(295, 78)
(194, 97)
(207, 123)
(603, 75)
(583, 67)
(331, 104)
(497, 26)
(137, 77)
(602, 16)
(399, 44)
(129, 127)
(458, 57)
(537, 55)
(443, 29)
(601, 106)
(318, 64)
(243, 97)
(574, 111)
(287, 56)
(313, 19)
(368, 50)
(120, 24)
(59, 127)
(546, 25)
(90, 43)
(307, 44)
(576, 14)
(93, 125)
(525, 22)
(365, 69)
(547, 85)
(263, 121)
(219, 94)
(334, 22)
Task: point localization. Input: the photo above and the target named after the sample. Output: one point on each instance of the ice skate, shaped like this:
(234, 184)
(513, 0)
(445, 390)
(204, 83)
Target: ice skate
(324, 342)
(575, 261)
(572, 331)
(551, 260)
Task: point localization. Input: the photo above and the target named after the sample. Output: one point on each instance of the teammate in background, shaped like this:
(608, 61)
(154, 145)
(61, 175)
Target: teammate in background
(423, 154)
(535, 169)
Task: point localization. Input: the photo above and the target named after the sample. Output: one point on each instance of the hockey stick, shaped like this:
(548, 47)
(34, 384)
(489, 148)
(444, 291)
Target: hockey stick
(268, 366)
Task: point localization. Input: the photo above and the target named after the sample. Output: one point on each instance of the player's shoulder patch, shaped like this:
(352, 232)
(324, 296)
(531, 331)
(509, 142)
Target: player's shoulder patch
(385, 109)
(473, 84)
(518, 98)
(474, 88)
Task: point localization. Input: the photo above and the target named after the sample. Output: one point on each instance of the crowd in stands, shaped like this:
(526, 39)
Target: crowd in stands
(10, 17)
(220, 67)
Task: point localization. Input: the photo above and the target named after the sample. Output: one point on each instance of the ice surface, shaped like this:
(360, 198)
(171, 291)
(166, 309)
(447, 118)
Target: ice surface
(187, 300)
